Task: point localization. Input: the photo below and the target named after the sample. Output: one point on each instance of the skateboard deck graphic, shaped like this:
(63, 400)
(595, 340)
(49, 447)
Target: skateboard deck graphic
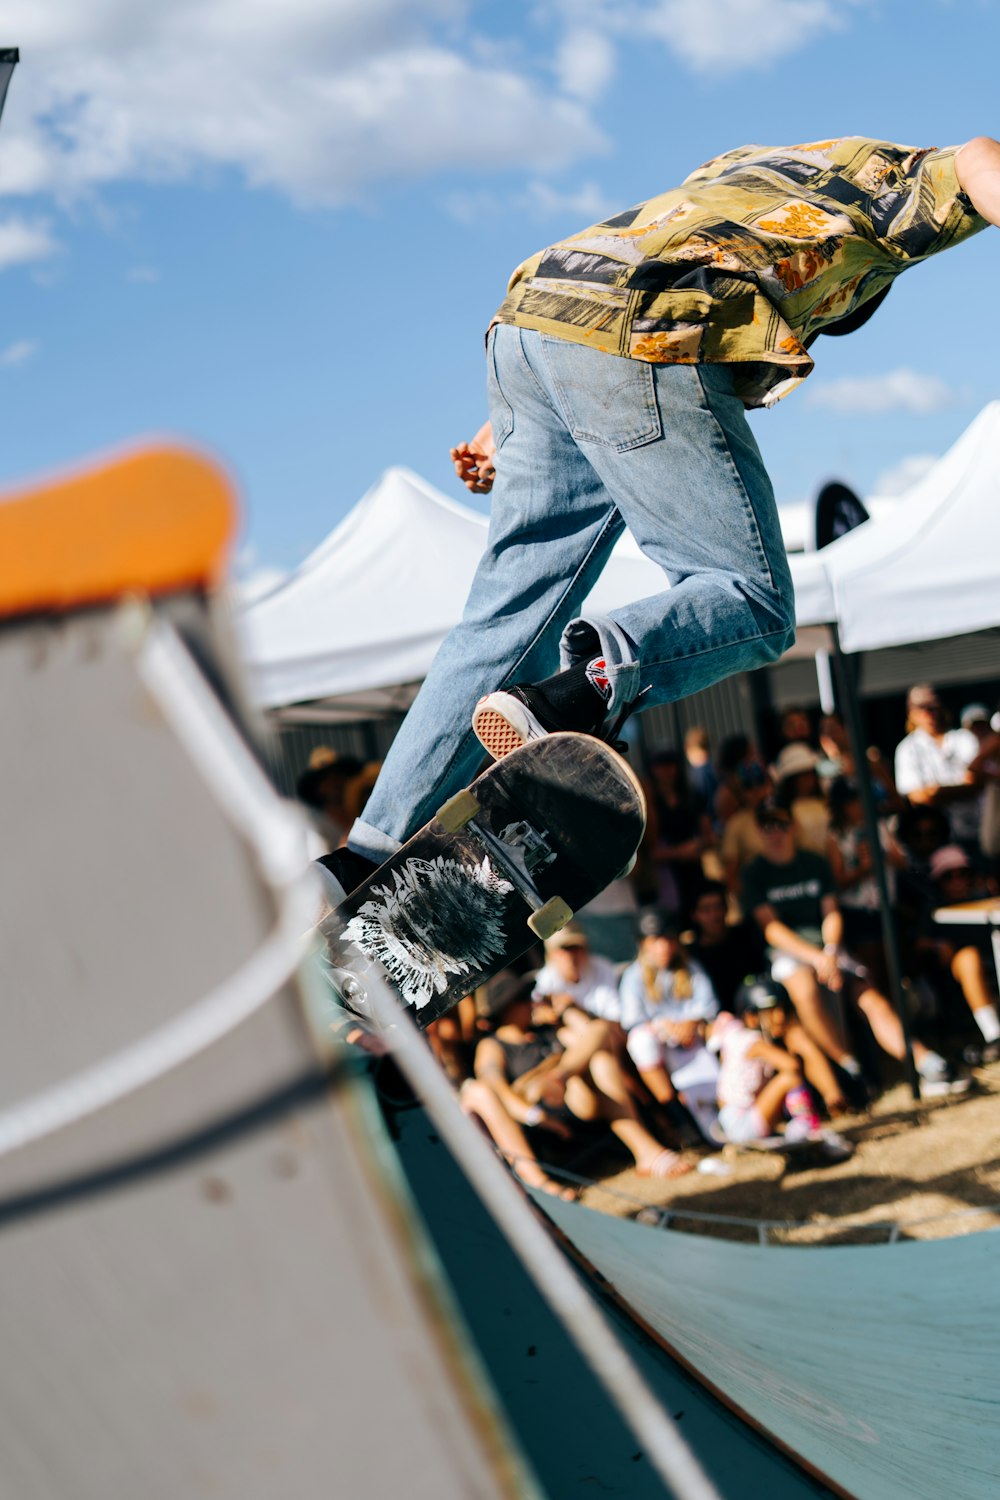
(502, 864)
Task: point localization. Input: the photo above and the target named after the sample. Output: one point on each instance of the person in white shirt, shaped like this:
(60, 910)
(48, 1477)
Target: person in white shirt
(572, 975)
(932, 765)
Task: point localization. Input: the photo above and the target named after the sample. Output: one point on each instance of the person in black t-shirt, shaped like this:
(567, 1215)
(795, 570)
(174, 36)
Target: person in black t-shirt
(792, 894)
(727, 953)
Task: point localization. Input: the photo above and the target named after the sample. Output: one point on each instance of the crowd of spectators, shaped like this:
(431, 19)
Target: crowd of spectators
(735, 988)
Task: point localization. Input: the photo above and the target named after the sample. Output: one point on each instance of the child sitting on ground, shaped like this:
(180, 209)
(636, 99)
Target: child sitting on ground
(760, 1081)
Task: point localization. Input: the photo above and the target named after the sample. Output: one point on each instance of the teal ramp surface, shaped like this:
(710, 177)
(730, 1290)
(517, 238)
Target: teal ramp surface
(879, 1366)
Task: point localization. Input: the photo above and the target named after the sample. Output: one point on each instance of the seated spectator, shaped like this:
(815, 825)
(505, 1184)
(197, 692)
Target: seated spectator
(838, 761)
(678, 832)
(797, 789)
(933, 765)
(728, 952)
(701, 774)
(792, 894)
(321, 787)
(741, 841)
(760, 1079)
(548, 1077)
(573, 976)
(853, 871)
(667, 1002)
(795, 727)
(966, 951)
(736, 755)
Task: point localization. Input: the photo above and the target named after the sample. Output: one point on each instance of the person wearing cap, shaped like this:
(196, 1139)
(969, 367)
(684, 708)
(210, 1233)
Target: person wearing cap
(933, 765)
(797, 789)
(761, 1081)
(667, 1003)
(792, 894)
(573, 976)
(966, 952)
(549, 1077)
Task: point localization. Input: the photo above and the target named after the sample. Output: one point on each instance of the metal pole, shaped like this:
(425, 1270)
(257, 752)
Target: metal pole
(851, 707)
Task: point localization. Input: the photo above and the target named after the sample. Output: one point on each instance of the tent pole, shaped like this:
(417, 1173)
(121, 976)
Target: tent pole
(851, 706)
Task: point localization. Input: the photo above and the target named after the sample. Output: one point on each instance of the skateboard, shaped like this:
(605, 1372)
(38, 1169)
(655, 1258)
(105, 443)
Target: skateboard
(502, 864)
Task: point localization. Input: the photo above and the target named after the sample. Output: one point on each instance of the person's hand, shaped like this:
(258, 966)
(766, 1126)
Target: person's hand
(828, 970)
(553, 1092)
(474, 461)
(685, 1034)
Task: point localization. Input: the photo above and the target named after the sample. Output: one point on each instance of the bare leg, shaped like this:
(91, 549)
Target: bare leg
(968, 968)
(811, 1011)
(479, 1100)
(657, 1080)
(886, 1026)
(770, 1102)
(612, 1102)
(816, 1066)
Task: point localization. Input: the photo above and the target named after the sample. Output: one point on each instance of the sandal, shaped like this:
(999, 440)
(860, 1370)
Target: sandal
(667, 1164)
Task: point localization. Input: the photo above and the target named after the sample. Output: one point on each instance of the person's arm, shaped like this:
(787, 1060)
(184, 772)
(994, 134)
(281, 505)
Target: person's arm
(474, 461)
(490, 1068)
(977, 165)
(785, 939)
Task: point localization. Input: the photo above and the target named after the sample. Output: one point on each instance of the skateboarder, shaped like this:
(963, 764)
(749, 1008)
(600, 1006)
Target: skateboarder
(619, 367)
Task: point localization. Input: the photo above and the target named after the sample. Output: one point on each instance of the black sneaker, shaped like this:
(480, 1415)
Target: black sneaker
(345, 870)
(507, 719)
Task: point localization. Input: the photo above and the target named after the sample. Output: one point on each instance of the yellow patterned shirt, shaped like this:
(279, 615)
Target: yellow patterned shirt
(759, 251)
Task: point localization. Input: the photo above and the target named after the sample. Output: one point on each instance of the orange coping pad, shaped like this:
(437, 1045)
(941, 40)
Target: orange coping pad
(153, 521)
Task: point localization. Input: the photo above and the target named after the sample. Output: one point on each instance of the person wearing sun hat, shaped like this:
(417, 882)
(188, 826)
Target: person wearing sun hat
(797, 789)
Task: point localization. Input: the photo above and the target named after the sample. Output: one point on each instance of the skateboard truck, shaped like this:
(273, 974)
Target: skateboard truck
(520, 850)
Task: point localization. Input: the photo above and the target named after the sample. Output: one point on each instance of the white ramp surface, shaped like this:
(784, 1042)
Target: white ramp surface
(877, 1366)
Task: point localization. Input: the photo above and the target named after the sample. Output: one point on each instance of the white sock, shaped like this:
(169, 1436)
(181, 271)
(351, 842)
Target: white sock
(851, 1066)
(988, 1021)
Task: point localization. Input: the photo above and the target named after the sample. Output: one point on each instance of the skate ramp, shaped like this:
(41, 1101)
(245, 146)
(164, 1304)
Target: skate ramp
(877, 1366)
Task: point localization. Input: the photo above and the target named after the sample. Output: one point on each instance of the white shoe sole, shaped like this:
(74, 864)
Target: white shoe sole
(503, 723)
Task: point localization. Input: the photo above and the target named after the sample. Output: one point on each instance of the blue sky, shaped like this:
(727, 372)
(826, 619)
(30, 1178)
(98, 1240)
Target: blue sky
(278, 228)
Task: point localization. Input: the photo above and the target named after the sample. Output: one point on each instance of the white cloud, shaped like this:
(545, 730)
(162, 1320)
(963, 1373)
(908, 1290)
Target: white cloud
(23, 242)
(18, 352)
(143, 275)
(585, 63)
(729, 36)
(874, 395)
(903, 475)
(576, 207)
(314, 99)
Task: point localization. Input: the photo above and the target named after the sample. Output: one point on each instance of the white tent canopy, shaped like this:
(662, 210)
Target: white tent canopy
(366, 612)
(929, 569)
(368, 609)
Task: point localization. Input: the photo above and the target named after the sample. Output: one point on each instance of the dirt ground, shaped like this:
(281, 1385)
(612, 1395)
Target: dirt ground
(932, 1169)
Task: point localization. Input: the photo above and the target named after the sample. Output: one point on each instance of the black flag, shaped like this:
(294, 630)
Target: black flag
(838, 511)
(8, 62)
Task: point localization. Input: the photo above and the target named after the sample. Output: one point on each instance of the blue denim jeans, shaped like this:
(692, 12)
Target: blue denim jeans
(588, 444)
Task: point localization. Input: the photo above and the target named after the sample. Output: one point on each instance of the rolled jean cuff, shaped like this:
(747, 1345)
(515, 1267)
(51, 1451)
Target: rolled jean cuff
(371, 843)
(577, 646)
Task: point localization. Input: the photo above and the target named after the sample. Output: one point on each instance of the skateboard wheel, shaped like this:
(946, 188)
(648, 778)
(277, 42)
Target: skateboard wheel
(550, 917)
(626, 870)
(457, 811)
